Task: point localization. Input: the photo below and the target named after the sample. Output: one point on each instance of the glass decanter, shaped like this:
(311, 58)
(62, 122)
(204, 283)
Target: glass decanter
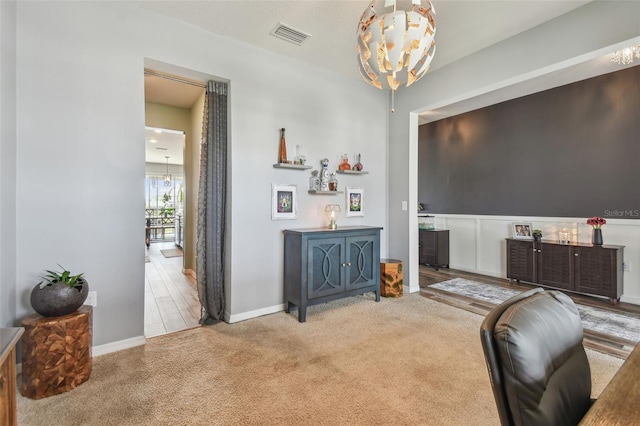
(358, 166)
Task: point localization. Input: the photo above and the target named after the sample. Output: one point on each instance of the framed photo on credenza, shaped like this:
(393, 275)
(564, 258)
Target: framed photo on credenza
(522, 230)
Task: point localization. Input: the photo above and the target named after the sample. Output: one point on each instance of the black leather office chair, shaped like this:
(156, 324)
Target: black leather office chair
(537, 364)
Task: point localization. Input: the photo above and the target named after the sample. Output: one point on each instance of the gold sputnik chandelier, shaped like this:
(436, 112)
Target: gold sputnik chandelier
(396, 47)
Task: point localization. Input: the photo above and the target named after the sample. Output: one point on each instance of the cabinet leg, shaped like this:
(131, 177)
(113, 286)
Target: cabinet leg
(302, 313)
(377, 295)
(614, 301)
(287, 307)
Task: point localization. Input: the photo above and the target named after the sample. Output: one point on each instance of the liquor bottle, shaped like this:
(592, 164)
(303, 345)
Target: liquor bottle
(333, 182)
(324, 175)
(299, 159)
(358, 166)
(314, 181)
(344, 164)
(282, 153)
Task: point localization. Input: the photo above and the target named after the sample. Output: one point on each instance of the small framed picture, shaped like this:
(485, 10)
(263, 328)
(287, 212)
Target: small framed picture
(354, 202)
(522, 230)
(284, 201)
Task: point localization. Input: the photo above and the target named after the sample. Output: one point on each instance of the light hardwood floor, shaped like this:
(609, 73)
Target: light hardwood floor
(171, 299)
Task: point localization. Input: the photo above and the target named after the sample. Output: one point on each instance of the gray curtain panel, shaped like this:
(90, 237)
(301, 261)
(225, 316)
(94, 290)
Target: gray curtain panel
(212, 199)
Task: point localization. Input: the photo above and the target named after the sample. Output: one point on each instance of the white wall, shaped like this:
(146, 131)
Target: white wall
(587, 32)
(328, 120)
(79, 130)
(192, 175)
(7, 163)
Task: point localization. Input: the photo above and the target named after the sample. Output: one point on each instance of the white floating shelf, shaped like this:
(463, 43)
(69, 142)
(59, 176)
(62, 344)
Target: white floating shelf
(291, 166)
(352, 172)
(311, 191)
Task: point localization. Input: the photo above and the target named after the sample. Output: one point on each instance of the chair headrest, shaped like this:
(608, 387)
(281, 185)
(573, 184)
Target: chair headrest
(543, 363)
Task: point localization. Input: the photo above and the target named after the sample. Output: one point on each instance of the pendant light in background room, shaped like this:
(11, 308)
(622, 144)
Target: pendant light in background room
(167, 177)
(625, 56)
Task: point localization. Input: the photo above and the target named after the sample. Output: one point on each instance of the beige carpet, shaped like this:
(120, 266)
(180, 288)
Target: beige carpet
(406, 361)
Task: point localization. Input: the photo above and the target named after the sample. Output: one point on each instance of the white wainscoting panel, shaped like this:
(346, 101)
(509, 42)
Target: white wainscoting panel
(463, 243)
(492, 234)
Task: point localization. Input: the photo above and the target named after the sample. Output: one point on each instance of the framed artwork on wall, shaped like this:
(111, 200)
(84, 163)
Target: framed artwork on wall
(284, 201)
(522, 230)
(354, 202)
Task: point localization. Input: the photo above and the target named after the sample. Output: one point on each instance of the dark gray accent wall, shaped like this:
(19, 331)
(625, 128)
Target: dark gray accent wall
(571, 151)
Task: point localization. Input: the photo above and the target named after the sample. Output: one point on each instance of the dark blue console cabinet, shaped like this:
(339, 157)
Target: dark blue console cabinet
(321, 265)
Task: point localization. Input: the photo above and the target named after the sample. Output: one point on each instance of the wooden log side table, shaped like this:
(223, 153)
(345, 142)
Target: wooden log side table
(391, 277)
(56, 352)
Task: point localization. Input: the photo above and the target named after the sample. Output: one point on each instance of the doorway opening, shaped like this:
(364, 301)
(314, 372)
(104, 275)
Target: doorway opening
(173, 111)
(171, 300)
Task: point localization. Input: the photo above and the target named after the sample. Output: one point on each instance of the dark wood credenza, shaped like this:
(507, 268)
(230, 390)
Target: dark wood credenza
(580, 268)
(434, 247)
(321, 265)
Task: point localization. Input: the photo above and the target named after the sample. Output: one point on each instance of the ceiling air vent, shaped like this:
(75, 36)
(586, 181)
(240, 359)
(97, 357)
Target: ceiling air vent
(289, 34)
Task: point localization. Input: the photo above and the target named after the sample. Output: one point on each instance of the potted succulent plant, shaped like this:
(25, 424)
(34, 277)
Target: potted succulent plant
(60, 293)
(537, 234)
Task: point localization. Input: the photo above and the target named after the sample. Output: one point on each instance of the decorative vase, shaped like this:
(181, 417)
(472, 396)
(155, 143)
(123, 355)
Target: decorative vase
(282, 150)
(344, 163)
(358, 166)
(324, 175)
(596, 237)
(314, 181)
(57, 299)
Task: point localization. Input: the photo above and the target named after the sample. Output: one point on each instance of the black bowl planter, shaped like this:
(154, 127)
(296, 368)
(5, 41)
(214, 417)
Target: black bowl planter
(57, 299)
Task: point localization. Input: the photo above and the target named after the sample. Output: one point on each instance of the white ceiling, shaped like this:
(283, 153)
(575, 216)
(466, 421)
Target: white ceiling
(162, 143)
(169, 92)
(462, 28)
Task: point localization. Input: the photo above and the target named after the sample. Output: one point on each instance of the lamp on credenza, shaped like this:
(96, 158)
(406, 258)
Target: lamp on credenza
(332, 211)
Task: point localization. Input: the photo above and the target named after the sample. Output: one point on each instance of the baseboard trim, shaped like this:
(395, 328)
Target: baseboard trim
(630, 299)
(478, 271)
(118, 346)
(257, 313)
(108, 348)
(410, 288)
(190, 272)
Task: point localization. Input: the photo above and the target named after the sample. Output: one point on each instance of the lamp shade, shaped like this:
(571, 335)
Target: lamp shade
(397, 46)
